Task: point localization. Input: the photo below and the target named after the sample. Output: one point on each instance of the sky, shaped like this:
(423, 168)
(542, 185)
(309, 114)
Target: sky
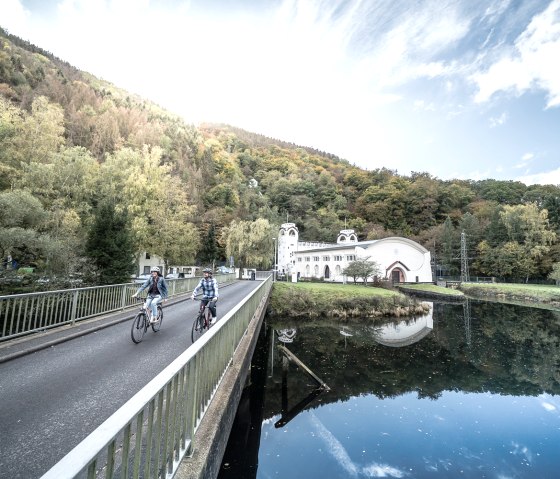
(466, 89)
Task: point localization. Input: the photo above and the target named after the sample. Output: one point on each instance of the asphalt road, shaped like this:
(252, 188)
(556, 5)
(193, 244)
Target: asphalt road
(51, 399)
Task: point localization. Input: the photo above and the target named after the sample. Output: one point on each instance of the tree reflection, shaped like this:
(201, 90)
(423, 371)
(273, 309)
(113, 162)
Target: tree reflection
(492, 347)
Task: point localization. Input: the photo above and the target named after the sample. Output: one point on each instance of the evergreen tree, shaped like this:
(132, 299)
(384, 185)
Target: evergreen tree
(110, 245)
(209, 252)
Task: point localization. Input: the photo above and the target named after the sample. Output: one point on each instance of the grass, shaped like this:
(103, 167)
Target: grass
(340, 300)
(432, 288)
(526, 292)
(337, 290)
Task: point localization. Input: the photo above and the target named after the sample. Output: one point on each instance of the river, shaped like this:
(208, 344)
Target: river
(470, 390)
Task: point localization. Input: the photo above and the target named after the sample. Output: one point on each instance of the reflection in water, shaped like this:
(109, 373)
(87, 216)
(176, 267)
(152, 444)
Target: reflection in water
(406, 332)
(468, 391)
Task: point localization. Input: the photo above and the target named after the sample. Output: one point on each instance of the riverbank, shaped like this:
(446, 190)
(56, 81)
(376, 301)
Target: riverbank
(315, 300)
(519, 293)
(432, 291)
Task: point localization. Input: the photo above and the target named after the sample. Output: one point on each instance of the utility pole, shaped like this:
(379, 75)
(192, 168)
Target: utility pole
(464, 258)
(275, 261)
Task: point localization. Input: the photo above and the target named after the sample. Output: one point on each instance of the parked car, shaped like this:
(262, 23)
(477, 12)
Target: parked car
(141, 278)
(224, 270)
(175, 275)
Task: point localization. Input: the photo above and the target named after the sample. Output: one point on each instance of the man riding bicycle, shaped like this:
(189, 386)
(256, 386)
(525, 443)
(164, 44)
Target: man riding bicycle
(157, 291)
(209, 287)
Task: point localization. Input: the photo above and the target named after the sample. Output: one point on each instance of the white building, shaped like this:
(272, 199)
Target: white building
(400, 259)
(147, 260)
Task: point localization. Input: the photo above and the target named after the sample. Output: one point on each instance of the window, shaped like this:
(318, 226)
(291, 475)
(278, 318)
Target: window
(147, 255)
(307, 259)
(337, 257)
(299, 259)
(326, 258)
(315, 258)
(316, 271)
(350, 257)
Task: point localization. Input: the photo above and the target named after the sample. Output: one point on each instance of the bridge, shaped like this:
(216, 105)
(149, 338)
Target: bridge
(80, 399)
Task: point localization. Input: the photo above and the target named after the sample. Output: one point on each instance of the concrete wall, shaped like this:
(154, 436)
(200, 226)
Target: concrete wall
(213, 433)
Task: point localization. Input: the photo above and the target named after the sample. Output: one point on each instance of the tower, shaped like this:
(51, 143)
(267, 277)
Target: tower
(288, 236)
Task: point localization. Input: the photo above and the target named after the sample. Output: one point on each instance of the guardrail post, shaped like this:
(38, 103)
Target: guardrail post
(74, 306)
(123, 297)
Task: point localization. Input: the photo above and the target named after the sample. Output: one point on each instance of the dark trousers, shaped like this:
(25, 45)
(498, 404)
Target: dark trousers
(211, 306)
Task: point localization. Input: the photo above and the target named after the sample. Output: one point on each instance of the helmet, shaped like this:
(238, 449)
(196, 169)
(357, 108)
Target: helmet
(154, 268)
(207, 270)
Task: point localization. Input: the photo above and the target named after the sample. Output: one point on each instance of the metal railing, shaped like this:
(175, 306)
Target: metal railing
(151, 433)
(22, 314)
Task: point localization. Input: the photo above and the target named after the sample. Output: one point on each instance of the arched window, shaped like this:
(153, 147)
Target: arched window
(292, 233)
(307, 270)
(337, 270)
(316, 271)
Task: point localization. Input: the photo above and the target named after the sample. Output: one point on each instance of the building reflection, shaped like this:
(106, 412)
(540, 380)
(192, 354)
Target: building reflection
(406, 332)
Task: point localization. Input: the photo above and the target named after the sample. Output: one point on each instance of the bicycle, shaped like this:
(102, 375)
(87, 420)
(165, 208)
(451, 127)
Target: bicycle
(141, 323)
(202, 322)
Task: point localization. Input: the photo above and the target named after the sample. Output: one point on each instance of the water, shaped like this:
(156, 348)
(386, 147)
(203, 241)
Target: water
(470, 391)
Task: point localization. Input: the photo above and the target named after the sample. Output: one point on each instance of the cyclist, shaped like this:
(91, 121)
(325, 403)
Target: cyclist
(157, 291)
(209, 287)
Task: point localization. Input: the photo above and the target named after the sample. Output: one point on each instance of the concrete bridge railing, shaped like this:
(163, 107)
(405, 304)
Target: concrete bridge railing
(152, 432)
(22, 314)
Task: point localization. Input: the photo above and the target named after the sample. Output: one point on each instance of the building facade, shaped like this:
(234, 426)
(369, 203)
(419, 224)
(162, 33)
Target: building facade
(400, 259)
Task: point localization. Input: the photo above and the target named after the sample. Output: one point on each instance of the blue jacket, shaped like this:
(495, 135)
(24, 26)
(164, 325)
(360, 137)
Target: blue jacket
(161, 286)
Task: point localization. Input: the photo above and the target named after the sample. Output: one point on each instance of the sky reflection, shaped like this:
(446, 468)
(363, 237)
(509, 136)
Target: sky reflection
(458, 435)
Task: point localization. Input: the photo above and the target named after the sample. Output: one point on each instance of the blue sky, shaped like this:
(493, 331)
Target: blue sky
(464, 89)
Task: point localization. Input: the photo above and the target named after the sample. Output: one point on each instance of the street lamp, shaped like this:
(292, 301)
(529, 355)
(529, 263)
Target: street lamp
(274, 265)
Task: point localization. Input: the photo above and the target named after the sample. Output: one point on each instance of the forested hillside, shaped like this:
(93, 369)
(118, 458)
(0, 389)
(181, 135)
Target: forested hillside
(81, 159)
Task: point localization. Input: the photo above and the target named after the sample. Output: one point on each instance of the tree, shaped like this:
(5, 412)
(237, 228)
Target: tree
(209, 251)
(450, 248)
(555, 273)
(528, 228)
(110, 245)
(155, 200)
(250, 243)
(362, 268)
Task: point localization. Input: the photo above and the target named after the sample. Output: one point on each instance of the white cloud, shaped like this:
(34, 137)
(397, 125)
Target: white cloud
(14, 16)
(498, 121)
(548, 406)
(531, 64)
(339, 453)
(545, 178)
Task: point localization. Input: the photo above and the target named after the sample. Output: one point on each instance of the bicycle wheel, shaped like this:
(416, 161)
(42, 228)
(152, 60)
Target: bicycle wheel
(157, 325)
(138, 327)
(207, 318)
(197, 328)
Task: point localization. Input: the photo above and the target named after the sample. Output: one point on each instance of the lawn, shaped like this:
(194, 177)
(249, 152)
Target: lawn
(432, 288)
(337, 290)
(533, 292)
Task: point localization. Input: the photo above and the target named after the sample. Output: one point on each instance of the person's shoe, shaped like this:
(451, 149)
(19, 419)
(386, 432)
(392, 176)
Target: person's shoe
(213, 321)
(153, 320)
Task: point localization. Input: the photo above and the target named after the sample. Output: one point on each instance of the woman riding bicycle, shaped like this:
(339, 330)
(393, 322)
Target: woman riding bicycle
(209, 287)
(157, 291)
